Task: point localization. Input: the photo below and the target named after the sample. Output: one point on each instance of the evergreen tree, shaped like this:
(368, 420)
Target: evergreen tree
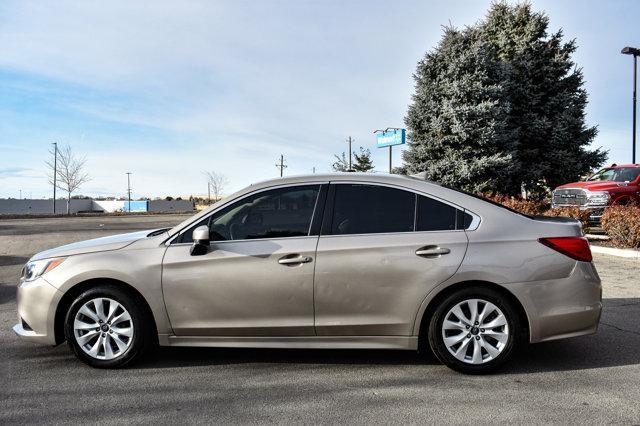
(363, 161)
(341, 164)
(500, 105)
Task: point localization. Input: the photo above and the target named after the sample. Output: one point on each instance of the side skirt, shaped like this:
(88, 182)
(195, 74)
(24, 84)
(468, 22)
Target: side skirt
(310, 342)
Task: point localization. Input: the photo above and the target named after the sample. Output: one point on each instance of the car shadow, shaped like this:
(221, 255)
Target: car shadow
(617, 343)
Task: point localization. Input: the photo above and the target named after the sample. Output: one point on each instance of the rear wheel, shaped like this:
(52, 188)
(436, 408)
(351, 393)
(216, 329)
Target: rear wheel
(105, 328)
(475, 330)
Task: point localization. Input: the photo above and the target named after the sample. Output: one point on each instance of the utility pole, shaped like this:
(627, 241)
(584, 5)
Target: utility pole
(350, 152)
(314, 170)
(209, 191)
(281, 165)
(635, 52)
(55, 173)
(129, 190)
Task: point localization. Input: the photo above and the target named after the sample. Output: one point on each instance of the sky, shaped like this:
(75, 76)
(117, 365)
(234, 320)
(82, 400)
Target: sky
(168, 90)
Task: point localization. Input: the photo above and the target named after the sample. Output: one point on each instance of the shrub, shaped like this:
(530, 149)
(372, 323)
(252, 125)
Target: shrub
(573, 212)
(529, 207)
(541, 208)
(622, 224)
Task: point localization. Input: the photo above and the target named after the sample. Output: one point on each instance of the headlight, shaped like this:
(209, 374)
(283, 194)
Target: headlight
(33, 270)
(598, 198)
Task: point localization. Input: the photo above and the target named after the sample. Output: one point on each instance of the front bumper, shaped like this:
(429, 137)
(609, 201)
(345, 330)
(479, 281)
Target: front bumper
(37, 302)
(562, 308)
(594, 217)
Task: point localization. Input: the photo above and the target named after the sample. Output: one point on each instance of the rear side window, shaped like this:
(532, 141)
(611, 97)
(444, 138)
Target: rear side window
(369, 209)
(434, 215)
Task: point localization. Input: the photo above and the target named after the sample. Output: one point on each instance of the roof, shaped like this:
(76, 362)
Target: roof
(350, 176)
(621, 166)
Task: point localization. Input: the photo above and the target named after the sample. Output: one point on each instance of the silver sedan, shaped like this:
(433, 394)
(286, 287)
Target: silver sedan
(361, 261)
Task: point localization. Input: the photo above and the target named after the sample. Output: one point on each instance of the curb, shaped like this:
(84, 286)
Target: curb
(628, 253)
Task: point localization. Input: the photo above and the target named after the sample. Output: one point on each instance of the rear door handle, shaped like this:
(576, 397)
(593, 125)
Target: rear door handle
(288, 260)
(432, 251)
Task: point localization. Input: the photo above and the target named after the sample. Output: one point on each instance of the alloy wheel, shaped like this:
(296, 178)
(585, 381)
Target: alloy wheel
(475, 331)
(103, 328)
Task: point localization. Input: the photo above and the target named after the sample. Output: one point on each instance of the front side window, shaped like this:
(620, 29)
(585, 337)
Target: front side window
(369, 209)
(277, 213)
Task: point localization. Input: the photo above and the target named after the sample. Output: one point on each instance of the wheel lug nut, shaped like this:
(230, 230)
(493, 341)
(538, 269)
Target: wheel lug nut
(104, 334)
(476, 323)
(477, 337)
(468, 335)
(98, 329)
(100, 321)
(467, 327)
(482, 330)
(110, 331)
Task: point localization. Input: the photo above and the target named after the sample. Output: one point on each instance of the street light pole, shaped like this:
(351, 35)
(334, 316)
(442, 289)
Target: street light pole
(55, 173)
(349, 140)
(129, 190)
(635, 52)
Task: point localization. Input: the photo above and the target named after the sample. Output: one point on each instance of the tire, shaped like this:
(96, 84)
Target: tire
(469, 347)
(106, 328)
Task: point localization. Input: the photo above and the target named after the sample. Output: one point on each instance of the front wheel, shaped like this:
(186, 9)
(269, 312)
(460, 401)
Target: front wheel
(105, 328)
(475, 330)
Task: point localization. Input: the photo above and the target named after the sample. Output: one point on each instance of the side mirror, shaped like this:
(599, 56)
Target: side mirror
(200, 241)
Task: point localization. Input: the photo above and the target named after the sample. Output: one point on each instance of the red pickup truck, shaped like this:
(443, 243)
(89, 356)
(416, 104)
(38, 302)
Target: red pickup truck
(618, 184)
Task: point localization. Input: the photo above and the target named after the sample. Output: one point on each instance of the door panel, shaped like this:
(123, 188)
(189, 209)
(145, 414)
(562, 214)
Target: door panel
(373, 284)
(239, 288)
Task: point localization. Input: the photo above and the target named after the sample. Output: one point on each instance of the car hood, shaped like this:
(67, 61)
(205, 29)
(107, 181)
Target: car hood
(593, 186)
(113, 242)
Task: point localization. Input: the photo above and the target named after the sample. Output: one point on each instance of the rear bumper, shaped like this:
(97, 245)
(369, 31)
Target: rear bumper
(37, 302)
(562, 308)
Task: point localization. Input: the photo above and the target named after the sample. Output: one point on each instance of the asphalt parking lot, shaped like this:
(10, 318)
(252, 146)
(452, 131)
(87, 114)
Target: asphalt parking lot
(592, 379)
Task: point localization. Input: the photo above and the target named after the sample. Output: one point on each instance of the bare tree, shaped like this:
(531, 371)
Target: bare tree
(69, 170)
(217, 183)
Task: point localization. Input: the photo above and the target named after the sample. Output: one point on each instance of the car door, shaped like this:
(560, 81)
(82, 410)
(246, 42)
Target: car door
(257, 277)
(381, 250)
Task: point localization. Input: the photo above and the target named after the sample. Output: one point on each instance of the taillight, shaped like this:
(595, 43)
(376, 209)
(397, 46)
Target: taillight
(575, 247)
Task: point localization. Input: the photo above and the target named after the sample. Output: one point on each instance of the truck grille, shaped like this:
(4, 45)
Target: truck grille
(569, 197)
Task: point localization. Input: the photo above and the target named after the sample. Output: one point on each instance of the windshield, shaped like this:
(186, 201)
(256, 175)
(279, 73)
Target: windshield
(619, 174)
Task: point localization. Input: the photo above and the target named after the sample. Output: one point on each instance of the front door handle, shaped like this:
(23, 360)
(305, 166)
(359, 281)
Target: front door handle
(289, 260)
(432, 251)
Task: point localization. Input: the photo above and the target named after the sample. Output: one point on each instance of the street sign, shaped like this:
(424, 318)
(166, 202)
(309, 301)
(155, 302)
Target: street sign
(391, 137)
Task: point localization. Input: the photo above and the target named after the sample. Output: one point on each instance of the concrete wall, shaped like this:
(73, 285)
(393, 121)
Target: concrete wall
(170, 206)
(11, 206)
(108, 206)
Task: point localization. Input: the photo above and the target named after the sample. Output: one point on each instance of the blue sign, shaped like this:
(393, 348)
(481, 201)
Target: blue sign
(391, 137)
(136, 206)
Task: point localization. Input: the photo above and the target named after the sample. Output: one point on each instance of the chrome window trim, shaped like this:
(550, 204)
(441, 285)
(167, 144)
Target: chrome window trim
(242, 197)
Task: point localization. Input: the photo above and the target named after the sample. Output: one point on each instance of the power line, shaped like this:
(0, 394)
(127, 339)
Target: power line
(281, 165)
(129, 190)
